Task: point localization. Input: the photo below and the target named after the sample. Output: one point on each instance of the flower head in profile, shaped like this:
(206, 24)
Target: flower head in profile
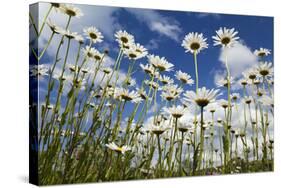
(248, 99)
(235, 96)
(79, 38)
(172, 89)
(56, 6)
(175, 111)
(73, 68)
(130, 82)
(93, 34)
(202, 98)
(126, 95)
(166, 79)
(171, 92)
(250, 74)
(168, 95)
(158, 129)
(212, 107)
(142, 93)
(106, 70)
(184, 127)
(135, 51)
(267, 100)
(184, 78)
(223, 82)
(69, 34)
(71, 10)
(160, 63)
(194, 42)
(148, 68)
(225, 37)
(118, 149)
(262, 52)
(39, 70)
(152, 84)
(124, 39)
(223, 103)
(265, 68)
(54, 28)
(92, 53)
(244, 81)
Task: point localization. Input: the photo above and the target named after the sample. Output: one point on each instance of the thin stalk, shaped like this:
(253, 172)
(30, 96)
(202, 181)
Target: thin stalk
(44, 20)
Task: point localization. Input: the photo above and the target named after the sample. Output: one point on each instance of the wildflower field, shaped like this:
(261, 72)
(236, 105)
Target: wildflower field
(104, 107)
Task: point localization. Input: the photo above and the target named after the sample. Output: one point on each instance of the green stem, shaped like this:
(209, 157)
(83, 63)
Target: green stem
(47, 45)
(44, 20)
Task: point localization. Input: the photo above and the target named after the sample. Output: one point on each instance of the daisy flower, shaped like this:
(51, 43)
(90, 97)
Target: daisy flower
(248, 99)
(71, 10)
(166, 80)
(223, 82)
(126, 95)
(124, 39)
(131, 82)
(168, 95)
(118, 149)
(148, 68)
(160, 63)
(73, 68)
(54, 28)
(251, 73)
(235, 96)
(142, 94)
(194, 42)
(157, 129)
(79, 38)
(93, 34)
(262, 52)
(56, 6)
(225, 37)
(69, 34)
(106, 70)
(182, 127)
(135, 52)
(85, 70)
(173, 88)
(184, 77)
(92, 53)
(256, 81)
(267, 101)
(141, 49)
(152, 84)
(223, 103)
(244, 81)
(265, 69)
(175, 111)
(212, 107)
(39, 70)
(202, 98)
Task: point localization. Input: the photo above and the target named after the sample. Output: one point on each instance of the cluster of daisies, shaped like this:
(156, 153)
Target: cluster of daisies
(108, 98)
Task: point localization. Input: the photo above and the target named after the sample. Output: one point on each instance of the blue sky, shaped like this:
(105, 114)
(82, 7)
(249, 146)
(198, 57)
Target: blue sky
(162, 33)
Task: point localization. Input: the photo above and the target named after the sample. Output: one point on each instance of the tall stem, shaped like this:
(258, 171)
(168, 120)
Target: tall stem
(201, 138)
(196, 70)
(160, 154)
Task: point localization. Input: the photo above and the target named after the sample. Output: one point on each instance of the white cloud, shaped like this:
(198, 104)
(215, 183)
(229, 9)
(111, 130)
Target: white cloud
(100, 17)
(152, 44)
(239, 58)
(156, 22)
(204, 14)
